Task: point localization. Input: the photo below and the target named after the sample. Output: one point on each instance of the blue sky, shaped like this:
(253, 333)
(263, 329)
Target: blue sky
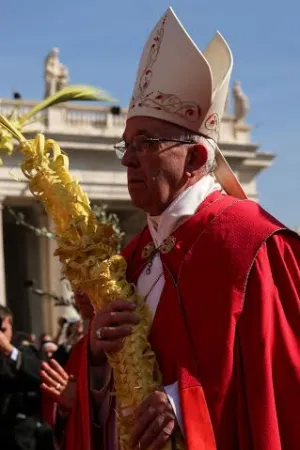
(101, 42)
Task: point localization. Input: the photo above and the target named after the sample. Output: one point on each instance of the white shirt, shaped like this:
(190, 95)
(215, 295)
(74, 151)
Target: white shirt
(160, 228)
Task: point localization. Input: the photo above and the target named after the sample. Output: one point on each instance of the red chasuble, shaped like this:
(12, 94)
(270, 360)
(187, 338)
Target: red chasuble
(77, 434)
(227, 328)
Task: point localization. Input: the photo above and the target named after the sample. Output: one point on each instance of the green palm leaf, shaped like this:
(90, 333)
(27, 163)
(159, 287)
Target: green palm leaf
(11, 128)
(69, 93)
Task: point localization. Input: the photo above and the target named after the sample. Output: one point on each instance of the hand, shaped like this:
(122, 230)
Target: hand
(109, 327)
(155, 422)
(5, 346)
(60, 386)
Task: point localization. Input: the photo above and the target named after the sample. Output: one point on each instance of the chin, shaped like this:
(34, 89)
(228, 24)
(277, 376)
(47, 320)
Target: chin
(138, 199)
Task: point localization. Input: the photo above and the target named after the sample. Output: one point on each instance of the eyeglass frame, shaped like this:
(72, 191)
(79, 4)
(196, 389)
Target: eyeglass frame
(119, 149)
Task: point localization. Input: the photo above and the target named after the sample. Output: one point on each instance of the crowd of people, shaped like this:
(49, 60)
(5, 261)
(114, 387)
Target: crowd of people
(27, 406)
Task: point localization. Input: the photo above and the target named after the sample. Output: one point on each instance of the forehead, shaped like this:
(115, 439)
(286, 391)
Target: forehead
(148, 125)
(50, 346)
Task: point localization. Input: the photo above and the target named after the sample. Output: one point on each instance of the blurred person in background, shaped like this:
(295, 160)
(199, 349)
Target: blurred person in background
(20, 424)
(44, 337)
(74, 332)
(48, 349)
(21, 338)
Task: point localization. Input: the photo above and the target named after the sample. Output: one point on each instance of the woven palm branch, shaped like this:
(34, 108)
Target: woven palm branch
(87, 250)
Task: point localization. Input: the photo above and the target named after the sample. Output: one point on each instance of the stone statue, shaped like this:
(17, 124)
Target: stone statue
(241, 102)
(56, 74)
(63, 78)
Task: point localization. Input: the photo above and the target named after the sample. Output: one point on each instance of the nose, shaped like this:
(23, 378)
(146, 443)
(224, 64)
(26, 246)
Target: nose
(130, 159)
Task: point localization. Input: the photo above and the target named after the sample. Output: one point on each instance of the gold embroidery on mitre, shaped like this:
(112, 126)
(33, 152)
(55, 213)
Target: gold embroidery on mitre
(147, 73)
(148, 250)
(169, 103)
(172, 104)
(168, 244)
(212, 123)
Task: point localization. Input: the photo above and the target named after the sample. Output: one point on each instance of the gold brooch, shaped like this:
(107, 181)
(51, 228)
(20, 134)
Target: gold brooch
(165, 247)
(148, 250)
(168, 244)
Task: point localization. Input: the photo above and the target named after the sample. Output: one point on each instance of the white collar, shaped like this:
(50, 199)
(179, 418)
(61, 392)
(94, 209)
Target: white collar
(183, 207)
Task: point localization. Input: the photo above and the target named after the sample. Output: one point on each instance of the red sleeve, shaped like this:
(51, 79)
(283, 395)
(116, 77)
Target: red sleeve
(269, 332)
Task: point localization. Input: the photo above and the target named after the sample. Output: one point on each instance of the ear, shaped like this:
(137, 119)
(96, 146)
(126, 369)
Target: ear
(196, 159)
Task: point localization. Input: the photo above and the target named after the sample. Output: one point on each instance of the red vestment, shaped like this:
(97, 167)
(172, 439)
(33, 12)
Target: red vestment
(227, 326)
(77, 430)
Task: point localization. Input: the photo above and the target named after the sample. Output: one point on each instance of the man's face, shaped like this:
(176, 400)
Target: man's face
(157, 177)
(6, 327)
(48, 350)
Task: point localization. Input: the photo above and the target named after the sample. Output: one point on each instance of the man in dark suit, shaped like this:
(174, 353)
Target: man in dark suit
(20, 425)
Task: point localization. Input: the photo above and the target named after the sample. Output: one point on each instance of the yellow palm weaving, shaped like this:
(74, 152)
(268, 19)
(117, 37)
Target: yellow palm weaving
(87, 250)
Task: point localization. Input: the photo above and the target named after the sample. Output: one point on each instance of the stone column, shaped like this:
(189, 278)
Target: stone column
(57, 286)
(2, 261)
(50, 275)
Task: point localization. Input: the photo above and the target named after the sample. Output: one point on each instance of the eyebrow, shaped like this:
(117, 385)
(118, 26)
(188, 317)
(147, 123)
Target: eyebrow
(141, 131)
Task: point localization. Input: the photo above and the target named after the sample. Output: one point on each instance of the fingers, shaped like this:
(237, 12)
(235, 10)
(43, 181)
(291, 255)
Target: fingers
(114, 334)
(154, 420)
(52, 375)
(58, 368)
(109, 328)
(112, 315)
(164, 436)
(114, 331)
(142, 423)
(111, 318)
(120, 305)
(51, 381)
(154, 399)
(51, 392)
(112, 346)
(157, 431)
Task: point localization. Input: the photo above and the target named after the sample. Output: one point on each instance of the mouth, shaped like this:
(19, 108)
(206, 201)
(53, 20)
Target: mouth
(134, 180)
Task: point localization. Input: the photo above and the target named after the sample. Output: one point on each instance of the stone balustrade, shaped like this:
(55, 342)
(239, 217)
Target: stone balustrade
(92, 119)
(70, 118)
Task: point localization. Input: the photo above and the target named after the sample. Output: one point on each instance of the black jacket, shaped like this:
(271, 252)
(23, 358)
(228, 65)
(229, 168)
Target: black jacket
(20, 400)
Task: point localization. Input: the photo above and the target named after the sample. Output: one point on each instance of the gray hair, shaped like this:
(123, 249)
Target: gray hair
(210, 146)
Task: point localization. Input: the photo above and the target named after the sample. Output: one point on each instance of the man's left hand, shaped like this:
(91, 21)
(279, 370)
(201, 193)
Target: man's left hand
(5, 346)
(155, 422)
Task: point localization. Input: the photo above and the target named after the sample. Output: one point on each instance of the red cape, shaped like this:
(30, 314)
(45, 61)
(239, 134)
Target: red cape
(227, 326)
(78, 429)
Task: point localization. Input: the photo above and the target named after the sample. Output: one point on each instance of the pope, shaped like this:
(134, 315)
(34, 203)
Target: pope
(220, 275)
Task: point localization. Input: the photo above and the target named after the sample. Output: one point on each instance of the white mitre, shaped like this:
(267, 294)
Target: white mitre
(178, 83)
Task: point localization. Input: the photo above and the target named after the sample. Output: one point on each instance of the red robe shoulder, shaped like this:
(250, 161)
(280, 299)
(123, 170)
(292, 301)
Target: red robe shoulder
(268, 349)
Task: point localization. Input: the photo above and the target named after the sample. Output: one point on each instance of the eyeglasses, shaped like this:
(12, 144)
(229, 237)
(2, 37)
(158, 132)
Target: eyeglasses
(144, 144)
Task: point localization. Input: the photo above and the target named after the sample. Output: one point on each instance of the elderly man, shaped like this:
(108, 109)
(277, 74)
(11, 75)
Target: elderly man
(221, 276)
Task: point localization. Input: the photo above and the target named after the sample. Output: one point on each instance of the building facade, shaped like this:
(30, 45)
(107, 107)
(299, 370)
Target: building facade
(87, 134)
